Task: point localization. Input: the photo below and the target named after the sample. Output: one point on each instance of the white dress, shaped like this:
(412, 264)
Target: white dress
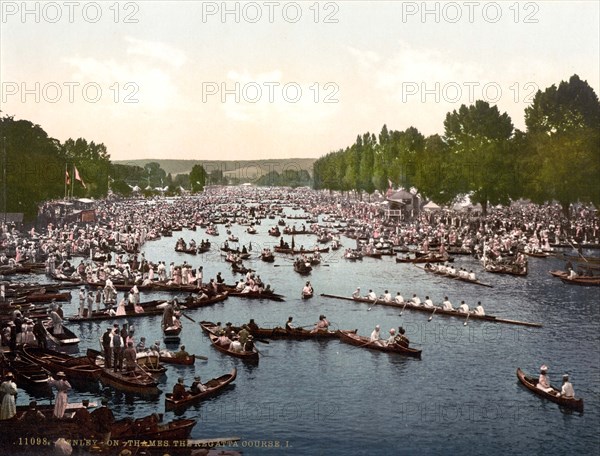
(8, 409)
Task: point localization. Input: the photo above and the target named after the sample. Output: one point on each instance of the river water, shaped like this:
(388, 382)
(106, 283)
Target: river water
(326, 397)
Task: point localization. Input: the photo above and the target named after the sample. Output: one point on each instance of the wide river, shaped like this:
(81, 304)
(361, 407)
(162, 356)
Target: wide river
(326, 397)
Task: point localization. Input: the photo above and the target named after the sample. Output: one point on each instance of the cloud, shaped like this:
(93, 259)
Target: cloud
(268, 98)
(151, 83)
(156, 50)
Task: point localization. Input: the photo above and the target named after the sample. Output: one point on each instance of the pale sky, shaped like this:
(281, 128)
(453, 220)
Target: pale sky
(160, 79)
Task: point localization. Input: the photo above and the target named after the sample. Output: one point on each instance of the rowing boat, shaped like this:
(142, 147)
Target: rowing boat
(295, 334)
(208, 328)
(454, 277)
(577, 280)
(231, 291)
(128, 381)
(75, 368)
(426, 259)
(213, 387)
(553, 396)
(28, 372)
(172, 334)
(178, 360)
(438, 310)
(365, 342)
(66, 337)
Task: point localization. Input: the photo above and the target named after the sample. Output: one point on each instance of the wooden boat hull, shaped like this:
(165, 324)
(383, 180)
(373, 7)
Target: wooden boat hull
(214, 387)
(455, 277)
(246, 356)
(179, 361)
(296, 334)
(138, 382)
(361, 341)
(530, 383)
(579, 280)
(67, 337)
(27, 372)
(253, 295)
(444, 259)
(172, 335)
(75, 368)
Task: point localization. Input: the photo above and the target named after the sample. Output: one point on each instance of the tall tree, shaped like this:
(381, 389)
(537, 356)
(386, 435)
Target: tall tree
(197, 178)
(478, 137)
(564, 144)
(35, 169)
(93, 164)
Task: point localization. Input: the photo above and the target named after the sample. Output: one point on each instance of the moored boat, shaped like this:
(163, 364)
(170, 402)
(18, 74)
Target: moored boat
(365, 342)
(65, 337)
(213, 387)
(554, 396)
(75, 368)
(139, 382)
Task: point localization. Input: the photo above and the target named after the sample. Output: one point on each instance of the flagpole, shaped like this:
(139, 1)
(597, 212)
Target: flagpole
(66, 174)
(73, 180)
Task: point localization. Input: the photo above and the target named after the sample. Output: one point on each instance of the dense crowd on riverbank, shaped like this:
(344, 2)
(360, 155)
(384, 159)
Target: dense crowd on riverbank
(124, 226)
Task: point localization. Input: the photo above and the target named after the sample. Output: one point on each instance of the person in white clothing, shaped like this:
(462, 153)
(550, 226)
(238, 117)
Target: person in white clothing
(479, 309)
(543, 381)
(356, 293)
(375, 334)
(567, 390)
(464, 308)
(416, 300)
(372, 295)
(392, 339)
(399, 299)
(387, 297)
(447, 305)
(428, 302)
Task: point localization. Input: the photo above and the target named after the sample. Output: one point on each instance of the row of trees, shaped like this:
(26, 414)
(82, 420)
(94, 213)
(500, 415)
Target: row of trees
(481, 154)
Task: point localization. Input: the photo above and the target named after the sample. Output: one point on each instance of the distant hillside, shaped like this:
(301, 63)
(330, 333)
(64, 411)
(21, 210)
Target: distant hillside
(240, 168)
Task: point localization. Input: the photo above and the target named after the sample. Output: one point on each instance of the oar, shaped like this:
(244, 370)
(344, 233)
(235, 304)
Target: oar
(403, 307)
(144, 371)
(578, 252)
(465, 323)
(203, 358)
(188, 317)
(282, 265)
(431, 317)
(375, 302)
(262, 341)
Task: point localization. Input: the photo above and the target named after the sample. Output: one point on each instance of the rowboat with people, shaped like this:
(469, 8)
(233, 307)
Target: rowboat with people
(432, 258)
(438, 310)
(365, 342)
(436, 271)
(296, 333)
(554, 395)
(209, 328)
(576, 279)
(213, 387)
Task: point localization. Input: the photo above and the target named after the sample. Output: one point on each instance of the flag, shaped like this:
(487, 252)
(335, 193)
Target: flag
(67, 178)
(78, 177)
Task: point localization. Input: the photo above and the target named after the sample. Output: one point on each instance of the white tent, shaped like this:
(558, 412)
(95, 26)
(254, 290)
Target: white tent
(431, 206)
